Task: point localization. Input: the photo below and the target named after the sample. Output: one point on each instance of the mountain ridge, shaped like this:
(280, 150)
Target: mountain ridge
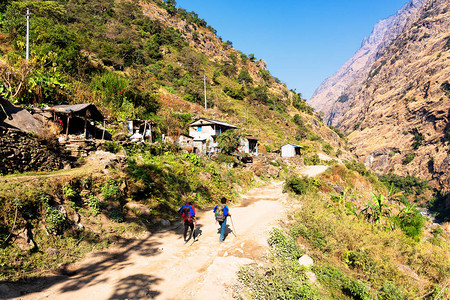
(335, 95)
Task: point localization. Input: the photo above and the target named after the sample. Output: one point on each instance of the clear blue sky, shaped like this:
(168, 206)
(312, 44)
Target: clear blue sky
(303, 41)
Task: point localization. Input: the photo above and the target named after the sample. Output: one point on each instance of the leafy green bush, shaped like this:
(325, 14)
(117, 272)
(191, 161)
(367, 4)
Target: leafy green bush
(112, 147)
(418, 139)
(116, 216)
(193, 159)
(336, 279)
(408, 184)
(111, 191)
(412, 224)
(226, 159)
(312, 136)
(283, 246)
(312, 160)
(327, 148)
(390, 291)
(409, 158)
(299, 185)
(229, 141)
(69, 192)
(358, 167)
(95, 205)
(357, 289)
(55, 220)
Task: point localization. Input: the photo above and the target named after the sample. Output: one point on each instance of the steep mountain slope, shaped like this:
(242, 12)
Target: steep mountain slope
(335, 95)
(401, 114)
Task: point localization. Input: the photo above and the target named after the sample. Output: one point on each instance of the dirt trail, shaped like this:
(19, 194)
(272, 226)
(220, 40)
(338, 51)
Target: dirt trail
(162, 266)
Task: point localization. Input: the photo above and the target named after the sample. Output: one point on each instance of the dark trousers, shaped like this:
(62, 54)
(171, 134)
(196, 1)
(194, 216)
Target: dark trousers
(188, 224)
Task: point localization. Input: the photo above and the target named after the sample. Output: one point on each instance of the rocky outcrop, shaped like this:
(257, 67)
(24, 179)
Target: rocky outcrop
(336, 94)
(399, 120)
(21, 152)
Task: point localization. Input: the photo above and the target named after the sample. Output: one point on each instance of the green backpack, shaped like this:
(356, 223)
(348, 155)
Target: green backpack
(220, 216)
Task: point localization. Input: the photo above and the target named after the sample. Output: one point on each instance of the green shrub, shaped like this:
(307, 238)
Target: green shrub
(193, 159)
(55, 220)
(390, 292)
(69, 192)
(95, 205)
(356, 289)
(299, 185)
(409, 158)
(112, 147)
(358, 167)
(418, 139)
(312, 136)
(412, 224)
(408, 184)
(283, 246)
(111, 191)
(227, 159)
(116, 216)
(312, 160)
(327, 148)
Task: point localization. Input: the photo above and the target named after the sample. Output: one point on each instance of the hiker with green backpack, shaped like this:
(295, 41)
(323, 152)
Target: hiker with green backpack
(221, 212)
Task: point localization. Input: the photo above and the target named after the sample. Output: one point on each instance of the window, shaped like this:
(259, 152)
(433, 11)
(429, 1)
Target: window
(199, 128)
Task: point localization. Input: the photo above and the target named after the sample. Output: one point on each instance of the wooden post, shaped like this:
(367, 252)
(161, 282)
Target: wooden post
(104, 128)
(143, 134)
(85, 126)
(67, 126)
(151, 133)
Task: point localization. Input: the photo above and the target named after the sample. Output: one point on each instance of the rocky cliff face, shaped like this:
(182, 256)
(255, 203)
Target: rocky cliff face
(336, 94)
(400, 116)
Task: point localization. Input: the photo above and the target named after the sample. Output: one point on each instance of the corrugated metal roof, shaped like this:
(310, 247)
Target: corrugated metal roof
(293, 145)
(211, 121)
(92, 110)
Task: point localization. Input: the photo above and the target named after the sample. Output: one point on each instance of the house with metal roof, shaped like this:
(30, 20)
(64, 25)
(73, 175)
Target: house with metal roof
(205, 131)
(290, 150)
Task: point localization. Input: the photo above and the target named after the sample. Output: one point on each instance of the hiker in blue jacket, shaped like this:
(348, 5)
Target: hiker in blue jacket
(187, 212)
(221, 212)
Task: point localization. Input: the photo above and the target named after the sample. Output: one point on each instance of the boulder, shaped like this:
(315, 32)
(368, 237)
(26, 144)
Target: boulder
(306, 261)
(165, 223)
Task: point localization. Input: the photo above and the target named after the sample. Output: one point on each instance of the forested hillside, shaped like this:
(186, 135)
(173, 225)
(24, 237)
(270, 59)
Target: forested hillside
(145, 59)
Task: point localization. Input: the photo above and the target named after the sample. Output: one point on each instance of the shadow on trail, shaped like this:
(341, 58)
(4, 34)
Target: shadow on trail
(135, 286)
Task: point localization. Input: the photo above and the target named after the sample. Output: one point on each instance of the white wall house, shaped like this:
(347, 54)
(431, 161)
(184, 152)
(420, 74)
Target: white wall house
(290, 150)
(205, 131)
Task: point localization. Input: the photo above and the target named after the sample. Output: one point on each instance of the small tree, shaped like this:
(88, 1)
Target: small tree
(244, 76)
(229, 141)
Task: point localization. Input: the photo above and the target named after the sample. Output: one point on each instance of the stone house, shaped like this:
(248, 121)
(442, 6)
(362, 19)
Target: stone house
(183, 140)
(249, 145)
(204, 133)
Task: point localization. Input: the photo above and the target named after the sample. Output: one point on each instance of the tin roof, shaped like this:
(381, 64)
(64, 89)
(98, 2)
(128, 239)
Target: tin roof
(88, 109)
(205, 121)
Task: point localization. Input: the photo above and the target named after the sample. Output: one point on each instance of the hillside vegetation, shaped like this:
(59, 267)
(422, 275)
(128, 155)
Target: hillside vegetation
(149, 60)
(366, 242)
(145, 59)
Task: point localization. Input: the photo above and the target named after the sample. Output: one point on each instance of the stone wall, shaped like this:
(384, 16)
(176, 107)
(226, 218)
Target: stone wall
(21, 152)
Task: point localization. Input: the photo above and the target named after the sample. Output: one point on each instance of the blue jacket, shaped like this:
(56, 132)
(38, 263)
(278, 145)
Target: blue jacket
(191, 210)
(225, 210)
